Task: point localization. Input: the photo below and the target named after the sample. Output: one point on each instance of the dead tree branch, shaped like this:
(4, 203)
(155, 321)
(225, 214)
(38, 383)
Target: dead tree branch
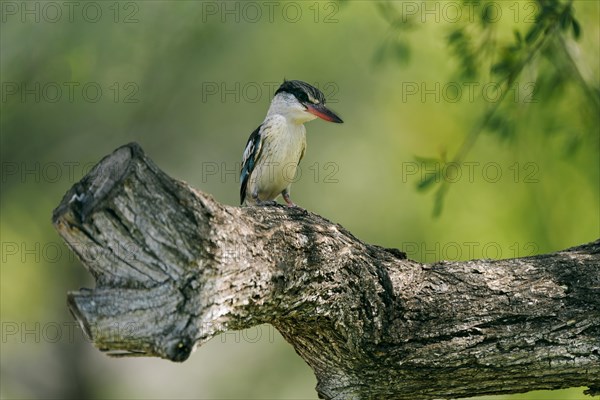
(174, 268)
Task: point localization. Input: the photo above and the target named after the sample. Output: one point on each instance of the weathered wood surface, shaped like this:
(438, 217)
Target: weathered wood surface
(173, 268)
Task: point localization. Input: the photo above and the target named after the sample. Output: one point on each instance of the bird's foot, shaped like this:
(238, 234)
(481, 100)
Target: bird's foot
(266, 203)
(287, 199)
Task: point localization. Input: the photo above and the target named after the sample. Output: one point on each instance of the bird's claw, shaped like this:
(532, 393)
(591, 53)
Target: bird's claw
(266, 203)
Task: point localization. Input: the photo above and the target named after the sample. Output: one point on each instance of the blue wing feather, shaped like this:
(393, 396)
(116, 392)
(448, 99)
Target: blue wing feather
(251, 154)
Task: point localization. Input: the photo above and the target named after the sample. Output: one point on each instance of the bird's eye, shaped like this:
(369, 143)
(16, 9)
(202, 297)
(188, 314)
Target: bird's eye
(301, 96)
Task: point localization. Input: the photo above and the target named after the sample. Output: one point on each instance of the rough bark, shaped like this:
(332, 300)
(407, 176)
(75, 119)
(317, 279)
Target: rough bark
(173, 268)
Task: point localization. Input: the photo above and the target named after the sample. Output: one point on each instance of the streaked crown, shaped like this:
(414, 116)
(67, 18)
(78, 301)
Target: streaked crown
(304, 92)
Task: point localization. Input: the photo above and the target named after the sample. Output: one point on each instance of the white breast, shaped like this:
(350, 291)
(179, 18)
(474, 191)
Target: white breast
(282, 147)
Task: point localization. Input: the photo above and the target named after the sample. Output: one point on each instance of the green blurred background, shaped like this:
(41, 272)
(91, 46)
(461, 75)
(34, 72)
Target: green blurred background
(190, 81)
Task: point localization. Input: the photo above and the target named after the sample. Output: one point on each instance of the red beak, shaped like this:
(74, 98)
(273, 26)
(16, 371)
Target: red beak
(323, 112)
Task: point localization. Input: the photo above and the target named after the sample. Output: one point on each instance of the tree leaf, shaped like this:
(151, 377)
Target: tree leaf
(380, 53)
(501, 68)
(438, 203)
(427, 160)
(402, 52)
(533, 33)
(518, 37)
(428, 182)
(565, 20)
(576, 28)
(455, 36)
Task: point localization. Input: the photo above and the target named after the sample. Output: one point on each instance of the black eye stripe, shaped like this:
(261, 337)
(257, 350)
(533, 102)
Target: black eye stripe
(302, 91)
(300, 95)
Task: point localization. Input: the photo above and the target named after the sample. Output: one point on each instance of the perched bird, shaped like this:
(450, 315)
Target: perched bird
(276, 147)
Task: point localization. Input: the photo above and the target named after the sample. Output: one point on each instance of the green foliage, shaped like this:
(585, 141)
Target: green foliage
(395, 46)
(539, 45)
